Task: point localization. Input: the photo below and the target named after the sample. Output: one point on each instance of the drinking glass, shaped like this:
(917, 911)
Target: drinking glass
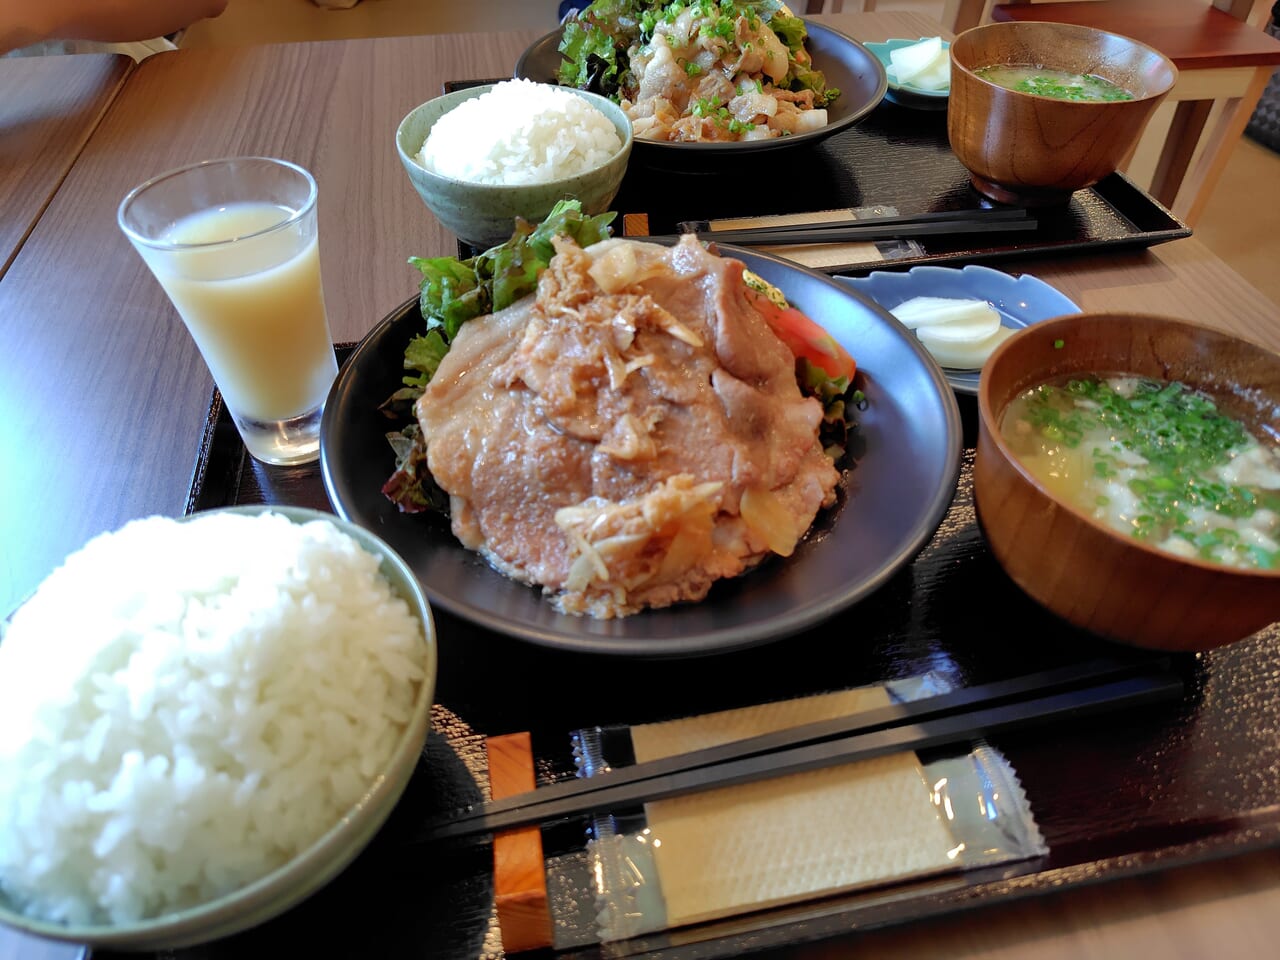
(234, 244)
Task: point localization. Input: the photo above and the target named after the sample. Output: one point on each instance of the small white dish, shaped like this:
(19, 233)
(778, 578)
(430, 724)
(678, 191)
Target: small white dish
(1020, 300)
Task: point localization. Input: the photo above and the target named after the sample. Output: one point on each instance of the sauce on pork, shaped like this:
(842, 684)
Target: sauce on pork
(630, 435)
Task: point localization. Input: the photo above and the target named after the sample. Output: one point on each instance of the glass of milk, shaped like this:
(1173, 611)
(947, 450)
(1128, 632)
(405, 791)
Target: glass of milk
(234, 244)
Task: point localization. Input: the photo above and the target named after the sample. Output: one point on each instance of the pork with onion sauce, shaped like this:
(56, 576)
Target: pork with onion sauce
(629, 435)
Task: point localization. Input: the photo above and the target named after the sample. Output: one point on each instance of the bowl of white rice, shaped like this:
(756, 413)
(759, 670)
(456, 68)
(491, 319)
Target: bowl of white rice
(203, 721)
(482, 156)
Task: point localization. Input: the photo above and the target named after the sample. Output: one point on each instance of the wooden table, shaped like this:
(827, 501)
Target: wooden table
(49, 107)
(103, 395)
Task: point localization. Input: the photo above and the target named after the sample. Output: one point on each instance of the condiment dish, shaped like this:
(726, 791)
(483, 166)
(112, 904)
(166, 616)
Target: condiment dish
(1097, 578)
(908, 94)
(1020, 299)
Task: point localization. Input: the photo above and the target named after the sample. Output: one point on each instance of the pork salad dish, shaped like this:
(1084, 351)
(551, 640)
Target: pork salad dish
(625, 427)
(707, 70)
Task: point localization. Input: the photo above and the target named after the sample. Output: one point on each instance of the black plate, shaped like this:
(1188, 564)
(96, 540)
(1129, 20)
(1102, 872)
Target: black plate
(846, 64)
(907, 461)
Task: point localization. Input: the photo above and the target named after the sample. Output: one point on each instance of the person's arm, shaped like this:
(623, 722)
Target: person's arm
(24, 22)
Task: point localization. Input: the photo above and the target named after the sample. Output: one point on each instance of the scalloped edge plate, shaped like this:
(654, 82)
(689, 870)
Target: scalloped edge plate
(1020, 300)
(904, 94)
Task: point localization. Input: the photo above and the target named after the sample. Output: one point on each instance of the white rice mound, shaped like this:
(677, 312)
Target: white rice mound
(519, 132)
(186, 706)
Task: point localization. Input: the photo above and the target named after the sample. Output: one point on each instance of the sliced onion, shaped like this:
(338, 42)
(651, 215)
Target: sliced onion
(614, 268)
(765, 514)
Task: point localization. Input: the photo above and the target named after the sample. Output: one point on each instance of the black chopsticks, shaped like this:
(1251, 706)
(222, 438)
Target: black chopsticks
(956, 717)
(958, 222)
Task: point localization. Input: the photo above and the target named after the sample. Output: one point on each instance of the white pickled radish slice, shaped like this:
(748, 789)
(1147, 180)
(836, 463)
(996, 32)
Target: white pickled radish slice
(931, 311)
(971, 327)
(914, 59)
(937, 76)
(964, 355)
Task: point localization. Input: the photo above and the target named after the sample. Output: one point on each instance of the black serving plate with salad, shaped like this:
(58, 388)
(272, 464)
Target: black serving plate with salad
(846, 64)
(899, 473)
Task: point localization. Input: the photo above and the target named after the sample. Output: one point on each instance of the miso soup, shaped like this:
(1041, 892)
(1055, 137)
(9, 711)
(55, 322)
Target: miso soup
(1156, 460)
(1047, 82)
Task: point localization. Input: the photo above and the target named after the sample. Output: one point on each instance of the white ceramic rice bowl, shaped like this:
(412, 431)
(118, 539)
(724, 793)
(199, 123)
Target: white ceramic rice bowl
(483, 214)
(328, 855)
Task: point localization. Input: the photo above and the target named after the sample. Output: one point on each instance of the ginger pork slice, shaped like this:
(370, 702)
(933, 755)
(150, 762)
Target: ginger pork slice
(629, 435)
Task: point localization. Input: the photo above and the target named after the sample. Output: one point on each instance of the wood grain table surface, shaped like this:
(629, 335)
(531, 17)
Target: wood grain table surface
(103, 394)
(48, 108)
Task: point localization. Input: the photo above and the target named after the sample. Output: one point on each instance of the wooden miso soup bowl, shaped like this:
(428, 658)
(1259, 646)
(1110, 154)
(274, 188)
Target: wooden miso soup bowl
(1030, 150)
(1092, 576)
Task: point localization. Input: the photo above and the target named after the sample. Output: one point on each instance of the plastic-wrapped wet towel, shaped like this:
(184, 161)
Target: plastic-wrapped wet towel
(729, 850)
(785, 838)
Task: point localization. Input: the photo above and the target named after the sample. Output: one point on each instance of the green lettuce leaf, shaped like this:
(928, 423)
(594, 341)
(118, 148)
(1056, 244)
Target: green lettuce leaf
(423, 355)
(840, 405)
(790, 30)
(596, 41)
(801, 77)
(591, 58)
(454, 291)
(451, 293)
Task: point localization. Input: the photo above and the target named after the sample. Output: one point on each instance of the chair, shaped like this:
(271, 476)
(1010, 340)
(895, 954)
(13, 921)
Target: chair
(1224, 59)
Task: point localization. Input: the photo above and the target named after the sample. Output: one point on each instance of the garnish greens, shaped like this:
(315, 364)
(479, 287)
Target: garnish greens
(1057, 84)
(840, 402)
(597, 42)
(1183, 437)
(454, 291)
(1092, 88)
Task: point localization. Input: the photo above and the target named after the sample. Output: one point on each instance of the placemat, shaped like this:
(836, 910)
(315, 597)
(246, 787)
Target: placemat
(1121, 795)
(896, 158)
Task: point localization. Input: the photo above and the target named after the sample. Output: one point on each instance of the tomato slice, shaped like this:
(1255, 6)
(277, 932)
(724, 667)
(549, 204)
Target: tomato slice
(805, 338)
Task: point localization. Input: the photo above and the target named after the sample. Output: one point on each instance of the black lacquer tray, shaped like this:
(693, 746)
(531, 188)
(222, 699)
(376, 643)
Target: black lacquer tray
(1129, 793)
(895, 157)
(900, 158)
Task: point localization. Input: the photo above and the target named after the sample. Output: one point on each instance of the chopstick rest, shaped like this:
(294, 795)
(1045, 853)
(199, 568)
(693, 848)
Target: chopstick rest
(519, 878)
